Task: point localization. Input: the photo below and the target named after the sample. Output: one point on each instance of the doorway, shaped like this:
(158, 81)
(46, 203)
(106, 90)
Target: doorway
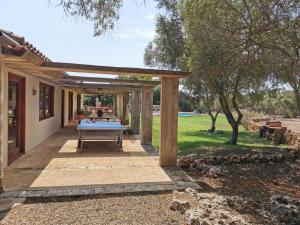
(62, 121)
(16, 117)
(78, 101)
(70, 105)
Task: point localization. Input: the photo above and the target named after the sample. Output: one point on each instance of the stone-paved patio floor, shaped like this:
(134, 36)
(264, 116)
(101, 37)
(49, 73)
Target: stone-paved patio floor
(56, 167)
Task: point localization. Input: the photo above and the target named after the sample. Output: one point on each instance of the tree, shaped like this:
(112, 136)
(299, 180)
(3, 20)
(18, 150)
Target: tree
(90, 100)
(103, 13)
(271, 103)
(203, 95)
(186, 102)
(221, 56)
(167, 49)
(274, 26)
(156, 95)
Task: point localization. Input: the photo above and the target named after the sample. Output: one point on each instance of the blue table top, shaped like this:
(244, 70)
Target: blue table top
(99, 125)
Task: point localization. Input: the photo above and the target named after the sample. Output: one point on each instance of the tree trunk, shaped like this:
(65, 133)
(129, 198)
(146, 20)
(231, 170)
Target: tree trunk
(297, 98)
(213, 125)
(230, 118)
(213, 121)
(235, 133)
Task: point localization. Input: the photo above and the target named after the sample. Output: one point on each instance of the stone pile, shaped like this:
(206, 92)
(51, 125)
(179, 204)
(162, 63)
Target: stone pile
(283, 136)
(286, 209)
(194, 162)
(208, 170)
(292, 139)
(211, 208)
(255, 124)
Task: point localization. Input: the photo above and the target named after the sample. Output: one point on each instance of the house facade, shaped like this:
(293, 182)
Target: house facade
(38, 97)
(33, 106)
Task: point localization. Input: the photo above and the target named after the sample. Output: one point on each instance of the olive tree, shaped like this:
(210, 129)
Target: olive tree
(221, 55)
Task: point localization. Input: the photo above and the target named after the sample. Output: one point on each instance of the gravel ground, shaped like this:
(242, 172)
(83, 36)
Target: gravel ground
(121, 209)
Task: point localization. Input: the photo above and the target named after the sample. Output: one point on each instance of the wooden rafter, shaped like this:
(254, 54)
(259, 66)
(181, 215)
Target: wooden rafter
(109, 80)
(84, 68)
(103, 86)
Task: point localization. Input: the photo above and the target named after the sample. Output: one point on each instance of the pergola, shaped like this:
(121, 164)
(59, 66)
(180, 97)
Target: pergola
(21, 56)
(169, 99)
(120, 89)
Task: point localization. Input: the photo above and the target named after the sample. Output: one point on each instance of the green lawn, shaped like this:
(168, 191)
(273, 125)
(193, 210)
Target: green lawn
(193, 138)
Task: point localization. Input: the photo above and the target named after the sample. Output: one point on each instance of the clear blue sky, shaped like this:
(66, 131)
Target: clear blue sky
(66, 39)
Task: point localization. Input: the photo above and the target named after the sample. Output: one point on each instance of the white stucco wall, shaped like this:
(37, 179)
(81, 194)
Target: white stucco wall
(37, 131)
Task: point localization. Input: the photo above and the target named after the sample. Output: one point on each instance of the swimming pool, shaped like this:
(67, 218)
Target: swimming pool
(187, 114)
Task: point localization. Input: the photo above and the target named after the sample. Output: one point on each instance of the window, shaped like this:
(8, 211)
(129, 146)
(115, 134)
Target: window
(46, 101)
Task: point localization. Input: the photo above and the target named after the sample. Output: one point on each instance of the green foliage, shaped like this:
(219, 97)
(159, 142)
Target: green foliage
(156, 95)
(186, 102)
(167, 48)
(102, 13)
(80, 111)
(273, 104)
(90, 100)
(124, 77)
(106, 100)
(93, 116)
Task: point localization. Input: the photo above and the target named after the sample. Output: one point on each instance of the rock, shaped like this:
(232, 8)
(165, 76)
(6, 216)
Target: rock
(215, 171)
(287, 209)
(199, 166)
(219, 159)
(193, 155)
(174, 223)
(279, 199)
(197, 217)
(205, 222)
(237, 221)
(185, 162)
(191, 192)
(278, 156)
(180, 205)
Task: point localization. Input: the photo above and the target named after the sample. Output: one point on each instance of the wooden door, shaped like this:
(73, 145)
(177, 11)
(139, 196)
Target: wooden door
(70, 106)
(62, 121)
(16, 117)
(78, 101)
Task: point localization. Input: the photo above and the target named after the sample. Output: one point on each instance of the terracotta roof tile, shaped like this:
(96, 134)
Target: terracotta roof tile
(26, 44)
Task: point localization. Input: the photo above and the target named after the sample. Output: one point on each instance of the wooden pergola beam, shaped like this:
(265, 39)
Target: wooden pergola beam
(84, 68)
(101, 92)
(102, 86)
(110, 80)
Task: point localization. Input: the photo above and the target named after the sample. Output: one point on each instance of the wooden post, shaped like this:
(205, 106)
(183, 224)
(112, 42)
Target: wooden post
(125, 115)
(135, 111)
(147, 108)
(115, 104)
(3, 120)
(119, 104)
(168, 121)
